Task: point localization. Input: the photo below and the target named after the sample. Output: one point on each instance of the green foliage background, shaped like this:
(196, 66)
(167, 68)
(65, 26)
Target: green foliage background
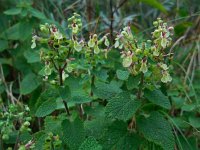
(170, 118)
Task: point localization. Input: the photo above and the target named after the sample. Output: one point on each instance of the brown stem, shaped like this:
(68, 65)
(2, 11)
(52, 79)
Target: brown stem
(60, 76)
(54, 64)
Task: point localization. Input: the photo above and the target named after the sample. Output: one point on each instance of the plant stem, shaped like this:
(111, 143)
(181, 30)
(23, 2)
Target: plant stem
(140, 86)
(61, 84)
(111, 20)
(132, 124)
(52, 146)
(17, 140)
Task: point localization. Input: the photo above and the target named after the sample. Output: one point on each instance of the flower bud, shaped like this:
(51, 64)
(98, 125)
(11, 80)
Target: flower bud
(166, 77)
(77, 46)
(127, 61)
(155, 23)
(96, 49)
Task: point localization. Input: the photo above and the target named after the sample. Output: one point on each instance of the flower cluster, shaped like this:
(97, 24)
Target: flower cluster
(52, 141)
(62, 54)
(11, 116)
(149, 56)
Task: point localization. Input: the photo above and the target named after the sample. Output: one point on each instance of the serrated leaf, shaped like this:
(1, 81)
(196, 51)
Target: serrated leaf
(73, 133)
(39, 139)
(96, 127)
(46, 108)
(90, 144)
(105, 90)
(133, 82)
(158, 98)
(29, 84)
(116, 137)
(157, 130)
(122, 106)
(122, 75)
(79, 97)
(130, 141)
(53, 124)
(13, 11)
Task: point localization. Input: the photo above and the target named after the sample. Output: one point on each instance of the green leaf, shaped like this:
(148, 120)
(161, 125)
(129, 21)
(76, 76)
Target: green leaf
(158, 98)
(39, 139)
(105, 90)
(46, 108)
(102, 74)
(50, 93)
(32, 56)
(53, 124)
(3, 45)
(37, 14)
(122, 75)
(64, 93)
(90, 144)
(194, 121)
(155, 4)
(29, 84)
(13, 11)
(123, 106)
(95, 127)
(157, 130)
(80, 96)
(133, 82)
(73, 133)
(116, 137)
(20, 31)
